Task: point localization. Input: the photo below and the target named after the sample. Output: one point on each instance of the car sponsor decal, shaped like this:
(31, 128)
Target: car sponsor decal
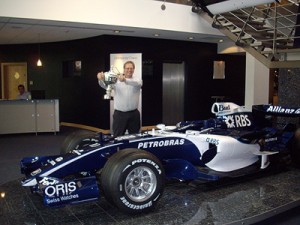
(277, 110)
(182, 145)
(61, 192)
(280, 109)
(132, 206)
(161, 143)
(33, 173)
(52, 162)
(271, 139)
(212, 140)
(146, 161)
(58, 159)
(46, 181)
(224, 108)
(78, 152)
(79, 190)
(61, 189)
(34, 159)
(238, 120)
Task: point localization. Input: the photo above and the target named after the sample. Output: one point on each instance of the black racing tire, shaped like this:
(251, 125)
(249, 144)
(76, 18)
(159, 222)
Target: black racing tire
(106, 174)
(77, 140)
(295, 150)
(133, 180)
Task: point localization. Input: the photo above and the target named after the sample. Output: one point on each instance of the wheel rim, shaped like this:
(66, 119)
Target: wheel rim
(140, 184)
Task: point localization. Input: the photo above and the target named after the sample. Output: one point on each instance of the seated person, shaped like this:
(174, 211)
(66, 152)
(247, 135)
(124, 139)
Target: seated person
(22, 93)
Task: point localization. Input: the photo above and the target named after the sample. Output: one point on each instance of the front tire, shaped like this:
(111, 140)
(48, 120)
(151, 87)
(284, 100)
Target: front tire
(78, 140)
(133, 180)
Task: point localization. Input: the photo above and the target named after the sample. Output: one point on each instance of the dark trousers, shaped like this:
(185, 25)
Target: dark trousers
(123, 121)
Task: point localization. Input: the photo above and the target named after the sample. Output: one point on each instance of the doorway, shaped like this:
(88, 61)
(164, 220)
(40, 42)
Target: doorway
(173, 92)
(12, 75)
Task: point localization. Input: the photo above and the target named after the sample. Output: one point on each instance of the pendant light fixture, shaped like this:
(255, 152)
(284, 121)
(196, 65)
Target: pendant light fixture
(39, 62)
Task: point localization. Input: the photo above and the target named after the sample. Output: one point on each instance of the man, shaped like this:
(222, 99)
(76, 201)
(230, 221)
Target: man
(22, 93)
(126, 100)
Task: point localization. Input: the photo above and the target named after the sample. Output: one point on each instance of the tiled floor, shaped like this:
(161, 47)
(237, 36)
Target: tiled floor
(245, 202)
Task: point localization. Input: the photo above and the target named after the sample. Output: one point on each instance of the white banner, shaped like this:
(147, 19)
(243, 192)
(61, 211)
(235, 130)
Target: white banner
(117, 61)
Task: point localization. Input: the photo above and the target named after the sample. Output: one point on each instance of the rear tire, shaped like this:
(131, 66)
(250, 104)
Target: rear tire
(78, 140)
(133, 180)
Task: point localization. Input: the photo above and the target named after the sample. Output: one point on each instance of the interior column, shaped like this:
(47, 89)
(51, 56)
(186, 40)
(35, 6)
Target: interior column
(257, 82)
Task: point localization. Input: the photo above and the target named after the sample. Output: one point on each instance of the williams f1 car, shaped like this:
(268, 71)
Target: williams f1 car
(130, 171)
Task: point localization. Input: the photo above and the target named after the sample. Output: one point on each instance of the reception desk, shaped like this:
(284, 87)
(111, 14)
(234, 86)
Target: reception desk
(29, 116)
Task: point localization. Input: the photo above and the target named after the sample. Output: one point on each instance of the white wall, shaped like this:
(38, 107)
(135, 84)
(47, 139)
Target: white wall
(257, 82)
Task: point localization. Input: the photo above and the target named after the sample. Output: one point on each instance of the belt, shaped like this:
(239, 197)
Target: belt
(126, 111)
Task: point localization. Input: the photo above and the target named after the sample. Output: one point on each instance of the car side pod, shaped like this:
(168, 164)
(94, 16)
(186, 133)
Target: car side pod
(184, 170)
(71, 192)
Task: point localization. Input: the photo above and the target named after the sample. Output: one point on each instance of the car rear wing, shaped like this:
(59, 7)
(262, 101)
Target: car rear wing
(276, 110)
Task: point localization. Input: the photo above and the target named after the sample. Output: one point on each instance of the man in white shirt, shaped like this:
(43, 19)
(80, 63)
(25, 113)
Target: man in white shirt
(126, 99)
(22, 93)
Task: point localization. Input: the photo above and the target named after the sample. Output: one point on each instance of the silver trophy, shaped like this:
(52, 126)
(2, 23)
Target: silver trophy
(110, 78)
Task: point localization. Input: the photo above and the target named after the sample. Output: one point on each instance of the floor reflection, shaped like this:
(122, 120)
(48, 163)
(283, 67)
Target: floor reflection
(248, 201)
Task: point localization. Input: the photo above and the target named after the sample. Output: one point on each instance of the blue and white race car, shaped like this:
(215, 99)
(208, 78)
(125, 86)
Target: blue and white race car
(131, 170)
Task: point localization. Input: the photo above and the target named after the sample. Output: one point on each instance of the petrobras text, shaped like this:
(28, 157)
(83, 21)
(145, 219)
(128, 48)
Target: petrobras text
(162, 143)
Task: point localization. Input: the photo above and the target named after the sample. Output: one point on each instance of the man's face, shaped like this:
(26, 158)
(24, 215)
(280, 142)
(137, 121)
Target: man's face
(21, 90)
(128, 70)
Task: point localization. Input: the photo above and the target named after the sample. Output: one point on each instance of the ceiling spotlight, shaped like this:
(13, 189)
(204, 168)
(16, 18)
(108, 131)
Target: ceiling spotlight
(156, 35)
(190, 38)
(116, 31)
(163, 6)
(196, 9)
(221, 40)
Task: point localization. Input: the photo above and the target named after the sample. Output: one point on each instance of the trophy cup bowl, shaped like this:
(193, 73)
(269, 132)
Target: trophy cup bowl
(110, 78)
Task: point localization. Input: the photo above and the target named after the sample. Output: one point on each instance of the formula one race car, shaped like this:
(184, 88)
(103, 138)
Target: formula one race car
(131, 170)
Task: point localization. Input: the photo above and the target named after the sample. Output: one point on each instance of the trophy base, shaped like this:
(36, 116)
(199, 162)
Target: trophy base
(107, 97)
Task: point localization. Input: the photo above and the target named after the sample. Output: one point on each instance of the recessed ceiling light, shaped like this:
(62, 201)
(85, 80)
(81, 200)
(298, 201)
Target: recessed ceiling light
(116, 31)
(190, 38)
(156, 35)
